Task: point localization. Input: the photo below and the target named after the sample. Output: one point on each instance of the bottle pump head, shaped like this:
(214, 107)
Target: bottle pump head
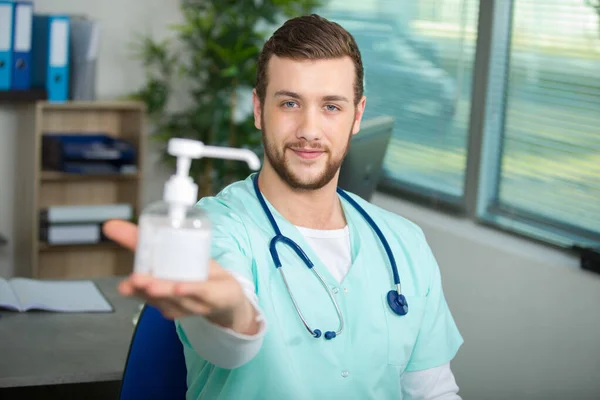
(180, 189)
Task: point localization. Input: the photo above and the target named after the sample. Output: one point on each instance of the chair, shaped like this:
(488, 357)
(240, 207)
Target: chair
(155, 366)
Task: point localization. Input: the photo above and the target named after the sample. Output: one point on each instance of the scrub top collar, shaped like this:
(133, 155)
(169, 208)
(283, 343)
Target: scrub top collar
(354, 220)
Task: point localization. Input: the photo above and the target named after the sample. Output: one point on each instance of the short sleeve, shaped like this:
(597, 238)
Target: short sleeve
(438, 340)
(230, 245)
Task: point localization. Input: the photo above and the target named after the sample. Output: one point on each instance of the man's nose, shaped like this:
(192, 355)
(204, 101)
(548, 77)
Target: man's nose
(309, 128)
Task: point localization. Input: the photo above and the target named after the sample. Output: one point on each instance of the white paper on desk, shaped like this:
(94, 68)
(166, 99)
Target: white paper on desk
(60, 296)
(8, 299)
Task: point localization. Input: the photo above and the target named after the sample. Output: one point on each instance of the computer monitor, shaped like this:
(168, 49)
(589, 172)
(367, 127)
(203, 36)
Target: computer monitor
(361, 170)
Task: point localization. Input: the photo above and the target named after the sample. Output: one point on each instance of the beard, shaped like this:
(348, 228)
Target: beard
(281, 164)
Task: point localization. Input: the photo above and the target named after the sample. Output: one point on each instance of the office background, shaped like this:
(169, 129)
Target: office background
(528, 313)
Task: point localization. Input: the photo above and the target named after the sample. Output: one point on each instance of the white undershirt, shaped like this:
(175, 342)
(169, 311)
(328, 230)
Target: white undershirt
(228, 349)
(332, 247)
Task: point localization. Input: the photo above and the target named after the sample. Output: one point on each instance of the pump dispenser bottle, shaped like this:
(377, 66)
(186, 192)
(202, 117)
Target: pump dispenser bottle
(174, 236)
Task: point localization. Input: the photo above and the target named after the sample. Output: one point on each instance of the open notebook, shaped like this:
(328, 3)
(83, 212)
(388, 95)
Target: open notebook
(23, 294)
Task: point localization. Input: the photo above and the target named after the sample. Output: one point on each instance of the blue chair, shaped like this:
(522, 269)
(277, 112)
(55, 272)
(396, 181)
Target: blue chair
(155, 366)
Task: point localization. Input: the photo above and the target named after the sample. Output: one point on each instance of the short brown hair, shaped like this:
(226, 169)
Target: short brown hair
(309, 37)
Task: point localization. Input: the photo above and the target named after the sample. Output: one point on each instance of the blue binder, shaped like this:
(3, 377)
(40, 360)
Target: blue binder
(21, 69)
(50, 55)
(6, 33)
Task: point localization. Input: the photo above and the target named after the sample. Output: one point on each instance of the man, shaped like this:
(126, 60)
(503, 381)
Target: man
(243, 335)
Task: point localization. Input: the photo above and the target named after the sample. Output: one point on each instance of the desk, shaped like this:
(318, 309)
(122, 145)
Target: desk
(47, 348)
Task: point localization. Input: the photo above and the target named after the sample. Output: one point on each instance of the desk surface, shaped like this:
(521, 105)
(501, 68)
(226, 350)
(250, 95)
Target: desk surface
(47, 348)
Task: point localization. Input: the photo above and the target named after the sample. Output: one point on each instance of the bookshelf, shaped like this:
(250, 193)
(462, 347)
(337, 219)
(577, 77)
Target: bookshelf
(22, 96)
(37, 189)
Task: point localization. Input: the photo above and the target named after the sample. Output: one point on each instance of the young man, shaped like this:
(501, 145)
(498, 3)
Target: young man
(339, 336)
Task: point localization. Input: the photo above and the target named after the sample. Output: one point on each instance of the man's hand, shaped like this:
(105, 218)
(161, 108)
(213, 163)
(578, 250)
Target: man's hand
(220, 298)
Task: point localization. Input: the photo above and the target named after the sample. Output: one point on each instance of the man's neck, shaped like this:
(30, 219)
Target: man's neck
(315, 209)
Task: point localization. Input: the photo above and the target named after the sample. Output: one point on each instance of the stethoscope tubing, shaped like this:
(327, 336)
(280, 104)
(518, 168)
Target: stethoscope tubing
(279, 237)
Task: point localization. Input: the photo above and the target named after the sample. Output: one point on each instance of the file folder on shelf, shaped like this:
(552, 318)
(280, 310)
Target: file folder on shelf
(85, 40)
(71, 234)
(85, 214)
(50, 55)
(6, 35)
(21, 46)
(88, 154)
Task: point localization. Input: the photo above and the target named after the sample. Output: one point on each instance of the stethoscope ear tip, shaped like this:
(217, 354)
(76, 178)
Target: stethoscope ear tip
(317, 333)
(397, 302)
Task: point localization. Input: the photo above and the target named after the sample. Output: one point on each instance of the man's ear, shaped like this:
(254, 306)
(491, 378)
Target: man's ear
(257, 110)
(358, 114)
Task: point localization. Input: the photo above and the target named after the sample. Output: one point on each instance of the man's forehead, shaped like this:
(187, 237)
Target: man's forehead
(344, 62)
(335, 74)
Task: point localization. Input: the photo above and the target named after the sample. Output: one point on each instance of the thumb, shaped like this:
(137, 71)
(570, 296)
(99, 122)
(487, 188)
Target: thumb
(123, 232)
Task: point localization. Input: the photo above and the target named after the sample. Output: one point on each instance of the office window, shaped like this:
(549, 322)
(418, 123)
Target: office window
(547, 162)
(418, 57)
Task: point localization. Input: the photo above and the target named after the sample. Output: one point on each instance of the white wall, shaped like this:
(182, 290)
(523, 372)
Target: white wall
(528, 314)
(118, 74)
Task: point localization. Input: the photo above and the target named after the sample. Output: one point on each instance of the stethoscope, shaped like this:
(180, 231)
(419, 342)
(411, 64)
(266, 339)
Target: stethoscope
(395, 298)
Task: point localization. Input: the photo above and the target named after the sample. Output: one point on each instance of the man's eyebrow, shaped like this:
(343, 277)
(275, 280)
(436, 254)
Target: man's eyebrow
(335, 98)
(294, 95)
(287, 93)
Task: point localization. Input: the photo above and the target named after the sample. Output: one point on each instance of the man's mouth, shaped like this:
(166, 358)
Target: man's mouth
(308, 154)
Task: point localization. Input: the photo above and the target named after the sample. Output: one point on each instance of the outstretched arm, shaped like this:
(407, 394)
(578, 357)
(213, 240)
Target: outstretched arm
(219, 316)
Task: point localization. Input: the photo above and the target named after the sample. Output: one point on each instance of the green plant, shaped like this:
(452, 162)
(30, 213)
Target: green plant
(209, 63)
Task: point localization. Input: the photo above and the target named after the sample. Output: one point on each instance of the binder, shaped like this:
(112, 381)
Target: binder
(85, 38)
(50, 55)
(71, 234)
(6, 34)
(21, 69)
(85, 214)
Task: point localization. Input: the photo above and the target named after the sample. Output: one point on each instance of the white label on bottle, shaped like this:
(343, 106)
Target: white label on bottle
(181, 254)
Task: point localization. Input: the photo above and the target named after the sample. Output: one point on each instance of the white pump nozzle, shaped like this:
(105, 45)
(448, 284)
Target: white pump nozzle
(180, 189)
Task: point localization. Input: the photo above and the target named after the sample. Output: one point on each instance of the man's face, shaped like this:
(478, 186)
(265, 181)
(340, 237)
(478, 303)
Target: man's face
(308, 118)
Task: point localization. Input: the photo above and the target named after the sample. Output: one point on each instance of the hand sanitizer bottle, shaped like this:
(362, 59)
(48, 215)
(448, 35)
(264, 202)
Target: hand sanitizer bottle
(174, 236)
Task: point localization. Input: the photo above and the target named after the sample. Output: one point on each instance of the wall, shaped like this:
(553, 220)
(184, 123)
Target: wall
(118, 73)
(528, 314)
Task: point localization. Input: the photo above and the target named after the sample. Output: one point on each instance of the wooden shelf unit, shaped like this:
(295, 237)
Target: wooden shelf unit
(37, 189)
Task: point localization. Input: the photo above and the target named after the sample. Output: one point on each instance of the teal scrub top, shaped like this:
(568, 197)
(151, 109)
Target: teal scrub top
(366, 360)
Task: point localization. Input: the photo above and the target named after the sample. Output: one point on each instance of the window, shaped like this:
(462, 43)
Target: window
(542, 130)
(521, 148)
(418, 57)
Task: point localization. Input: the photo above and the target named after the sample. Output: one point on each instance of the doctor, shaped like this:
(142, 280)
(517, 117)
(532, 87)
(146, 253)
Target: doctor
(265, 325)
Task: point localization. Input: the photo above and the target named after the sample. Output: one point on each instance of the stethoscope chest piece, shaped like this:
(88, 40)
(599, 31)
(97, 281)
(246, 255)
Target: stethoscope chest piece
(397, 302)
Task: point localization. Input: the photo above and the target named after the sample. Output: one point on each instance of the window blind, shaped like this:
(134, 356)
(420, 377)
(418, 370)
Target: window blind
(418, 57)
(550, 161)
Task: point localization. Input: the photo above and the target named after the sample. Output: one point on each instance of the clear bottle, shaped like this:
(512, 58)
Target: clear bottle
(174, 236)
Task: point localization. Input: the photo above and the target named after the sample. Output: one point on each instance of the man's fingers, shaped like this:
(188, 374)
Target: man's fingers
(160, 289)
(176, 299)
(215, 270)
(126, 288)
(122, 232)
(190, 289)
(212, 293)
(141, 281)
(193, 306)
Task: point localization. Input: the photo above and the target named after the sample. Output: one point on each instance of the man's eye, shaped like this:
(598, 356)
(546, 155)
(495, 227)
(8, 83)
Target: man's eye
(331, 107)
(289, 104)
